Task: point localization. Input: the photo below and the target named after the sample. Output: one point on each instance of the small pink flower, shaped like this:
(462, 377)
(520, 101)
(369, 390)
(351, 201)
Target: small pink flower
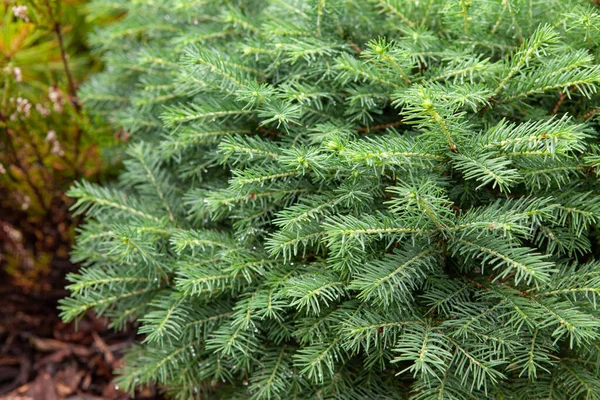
(56, 149)
(13, 234)
(18, 74)
(26, 203)
(56, 97)
(42, 109)
(23, 106)
(53, 140)
(21, 12)
(51, 136)
(2, 169)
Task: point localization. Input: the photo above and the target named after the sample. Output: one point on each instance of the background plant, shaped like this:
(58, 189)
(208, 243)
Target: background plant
(350, 199)
(47, 140)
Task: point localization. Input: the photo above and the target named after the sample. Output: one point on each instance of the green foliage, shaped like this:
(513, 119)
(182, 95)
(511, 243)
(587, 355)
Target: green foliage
(350, 199)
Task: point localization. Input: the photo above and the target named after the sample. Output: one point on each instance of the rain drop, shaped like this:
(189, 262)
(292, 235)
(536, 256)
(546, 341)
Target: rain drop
(245, 383)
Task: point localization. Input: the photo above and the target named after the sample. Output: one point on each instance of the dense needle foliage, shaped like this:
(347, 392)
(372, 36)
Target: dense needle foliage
(350, 199)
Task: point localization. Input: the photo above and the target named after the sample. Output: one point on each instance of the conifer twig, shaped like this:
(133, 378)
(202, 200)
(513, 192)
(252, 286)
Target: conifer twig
(561, 98)
(380, 127)
(590, 114)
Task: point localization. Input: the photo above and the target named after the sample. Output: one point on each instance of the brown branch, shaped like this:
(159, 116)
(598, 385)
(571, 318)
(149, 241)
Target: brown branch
(29, 139)
(24, 169)
(355, 47)
(507, 277)
(561, 99)
(56, 27)
(71, 88)
(380, 127)
(590, 114)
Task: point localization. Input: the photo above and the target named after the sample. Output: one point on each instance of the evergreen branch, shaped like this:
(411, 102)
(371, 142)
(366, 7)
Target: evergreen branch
(399, 151)
(246, 177)
(288, 243)
(174, 116)
(584, 80)
(139, 153)
(486, 169)
(71, 309)
(299, 214)
(428, 352)
(354, 71)
(383, 284)
(311, 290)
(271, 380)
(100, 198)
(525, 264)
(201, 240)
(90, 279)
(539, 41)
(392, 7)
(164, 322)
(369, 329)
(315, 360)
(482, 370)
(570, 321)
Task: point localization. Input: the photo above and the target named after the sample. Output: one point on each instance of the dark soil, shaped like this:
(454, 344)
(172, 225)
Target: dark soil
(42, 358)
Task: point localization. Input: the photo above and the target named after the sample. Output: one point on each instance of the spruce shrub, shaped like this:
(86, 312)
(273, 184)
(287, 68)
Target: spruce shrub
(350, 199)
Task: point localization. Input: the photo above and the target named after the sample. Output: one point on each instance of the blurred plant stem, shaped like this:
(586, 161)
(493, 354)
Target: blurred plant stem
(47, 139)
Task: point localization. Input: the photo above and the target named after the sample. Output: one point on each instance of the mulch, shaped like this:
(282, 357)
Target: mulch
(42, 358)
